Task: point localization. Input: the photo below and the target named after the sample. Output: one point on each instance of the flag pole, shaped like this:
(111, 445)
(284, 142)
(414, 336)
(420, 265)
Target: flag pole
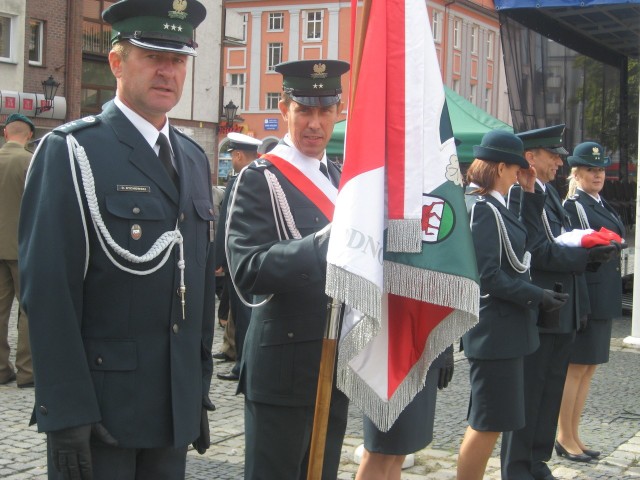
(332, 330)
(325, 386)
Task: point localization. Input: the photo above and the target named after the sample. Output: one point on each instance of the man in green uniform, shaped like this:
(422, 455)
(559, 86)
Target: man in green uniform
(14, 161)
(117, 269)
(277, 243)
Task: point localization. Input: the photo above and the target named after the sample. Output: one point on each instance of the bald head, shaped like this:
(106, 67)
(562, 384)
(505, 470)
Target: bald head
(19, 132)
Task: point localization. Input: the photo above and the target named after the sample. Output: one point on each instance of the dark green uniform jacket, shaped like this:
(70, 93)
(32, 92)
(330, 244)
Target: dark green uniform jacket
(109, 345)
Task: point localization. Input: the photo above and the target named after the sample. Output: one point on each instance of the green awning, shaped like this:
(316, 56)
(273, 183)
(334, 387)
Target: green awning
(469, 124)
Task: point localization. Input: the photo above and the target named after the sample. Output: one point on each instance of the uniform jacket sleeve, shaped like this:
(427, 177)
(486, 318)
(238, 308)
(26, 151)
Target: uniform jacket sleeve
(52, 261)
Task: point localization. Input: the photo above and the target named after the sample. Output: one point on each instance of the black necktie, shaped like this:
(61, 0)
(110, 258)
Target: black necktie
(323, 169)
(165, 158)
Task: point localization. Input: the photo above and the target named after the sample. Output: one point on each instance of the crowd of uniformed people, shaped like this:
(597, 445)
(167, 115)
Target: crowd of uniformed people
(120, 296)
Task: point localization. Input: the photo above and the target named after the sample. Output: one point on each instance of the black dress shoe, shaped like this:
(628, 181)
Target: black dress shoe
(579, 457)
(228, 376)
(222, 356)
(591, 453)
(26, 385)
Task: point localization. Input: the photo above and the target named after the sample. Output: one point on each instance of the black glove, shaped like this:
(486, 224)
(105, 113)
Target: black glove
(602, 253)
(583, 323)
(446, 371)
(203, 442)
(552, 301)
(321, 241)
(71, 452)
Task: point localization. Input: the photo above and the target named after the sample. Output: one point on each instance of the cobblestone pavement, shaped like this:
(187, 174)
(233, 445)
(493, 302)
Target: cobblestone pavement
(611, 423)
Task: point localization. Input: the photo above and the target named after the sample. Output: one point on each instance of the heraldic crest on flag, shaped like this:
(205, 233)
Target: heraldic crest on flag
(400, 254)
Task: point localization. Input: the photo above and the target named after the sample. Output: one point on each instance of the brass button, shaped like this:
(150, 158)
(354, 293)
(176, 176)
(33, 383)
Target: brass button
(175, 328)
(99, 361)
(182, 217)
(43, 410)
(211, 211)
(304, 276)
(290, 334)
(136, 210)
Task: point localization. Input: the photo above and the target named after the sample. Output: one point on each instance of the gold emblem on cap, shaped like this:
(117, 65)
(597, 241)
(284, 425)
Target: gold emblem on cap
(179, 6)
(596, 152)
(319, 70)
(136, 231)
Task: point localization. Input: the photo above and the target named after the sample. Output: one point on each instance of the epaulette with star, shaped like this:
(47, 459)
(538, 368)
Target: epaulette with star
(79, 124)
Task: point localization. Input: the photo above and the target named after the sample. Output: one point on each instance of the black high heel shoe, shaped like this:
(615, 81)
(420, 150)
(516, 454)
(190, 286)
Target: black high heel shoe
(591, 453)
(580, 457)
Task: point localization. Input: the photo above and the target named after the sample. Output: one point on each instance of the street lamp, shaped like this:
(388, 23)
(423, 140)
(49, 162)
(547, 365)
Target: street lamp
(50, 87)
(230, 110)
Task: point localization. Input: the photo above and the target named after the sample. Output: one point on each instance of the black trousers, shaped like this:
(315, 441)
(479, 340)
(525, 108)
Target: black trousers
(525, 452)
(114, 463)
(277, 439)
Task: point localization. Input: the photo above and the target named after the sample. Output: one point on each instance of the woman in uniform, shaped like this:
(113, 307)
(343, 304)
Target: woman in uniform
(587, 209)
(507, 330)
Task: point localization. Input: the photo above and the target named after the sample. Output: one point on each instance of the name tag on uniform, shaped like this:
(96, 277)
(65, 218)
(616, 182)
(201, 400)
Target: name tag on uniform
(134, 188)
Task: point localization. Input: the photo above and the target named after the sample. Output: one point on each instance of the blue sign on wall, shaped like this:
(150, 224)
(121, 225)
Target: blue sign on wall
(271, 124)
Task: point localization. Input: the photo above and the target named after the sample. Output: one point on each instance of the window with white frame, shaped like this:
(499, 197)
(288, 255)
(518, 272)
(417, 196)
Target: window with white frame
(276, 22)
(487, 99)
(457, 33)
(456, 86)
(436, 26)
(313, 25)
(274, 52)
(490, 41)
(36, 40)
(472, 95)
(237, 80)
(245, 22)
(6, 37)
(272, 100)
(474, 39)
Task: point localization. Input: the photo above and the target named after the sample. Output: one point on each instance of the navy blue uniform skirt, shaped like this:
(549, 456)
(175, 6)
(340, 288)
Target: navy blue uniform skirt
(591, 346)
(413, 430)
(497, 395)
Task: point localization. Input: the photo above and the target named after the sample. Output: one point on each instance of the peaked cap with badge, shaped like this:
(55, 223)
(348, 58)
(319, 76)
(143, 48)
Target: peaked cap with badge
(501, 146)
(18, 117)
(240, 141)
(588, 154)
(162, 25)
(549, 138)
(315, 83)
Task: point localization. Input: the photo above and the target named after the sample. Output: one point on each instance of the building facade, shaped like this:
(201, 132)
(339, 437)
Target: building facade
(68, 41)
(466, 35)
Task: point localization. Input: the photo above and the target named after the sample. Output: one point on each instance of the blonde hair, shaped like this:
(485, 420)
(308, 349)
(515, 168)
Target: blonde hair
(573, 183)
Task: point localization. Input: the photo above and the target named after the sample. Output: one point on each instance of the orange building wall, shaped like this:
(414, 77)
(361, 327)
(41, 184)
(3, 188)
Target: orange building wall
(455, 64)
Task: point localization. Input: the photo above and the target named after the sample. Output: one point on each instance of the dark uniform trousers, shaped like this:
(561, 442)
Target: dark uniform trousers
(287, 458)
(544, 372)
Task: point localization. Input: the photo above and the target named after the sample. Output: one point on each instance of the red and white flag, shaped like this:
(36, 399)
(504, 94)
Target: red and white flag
(400, 252)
